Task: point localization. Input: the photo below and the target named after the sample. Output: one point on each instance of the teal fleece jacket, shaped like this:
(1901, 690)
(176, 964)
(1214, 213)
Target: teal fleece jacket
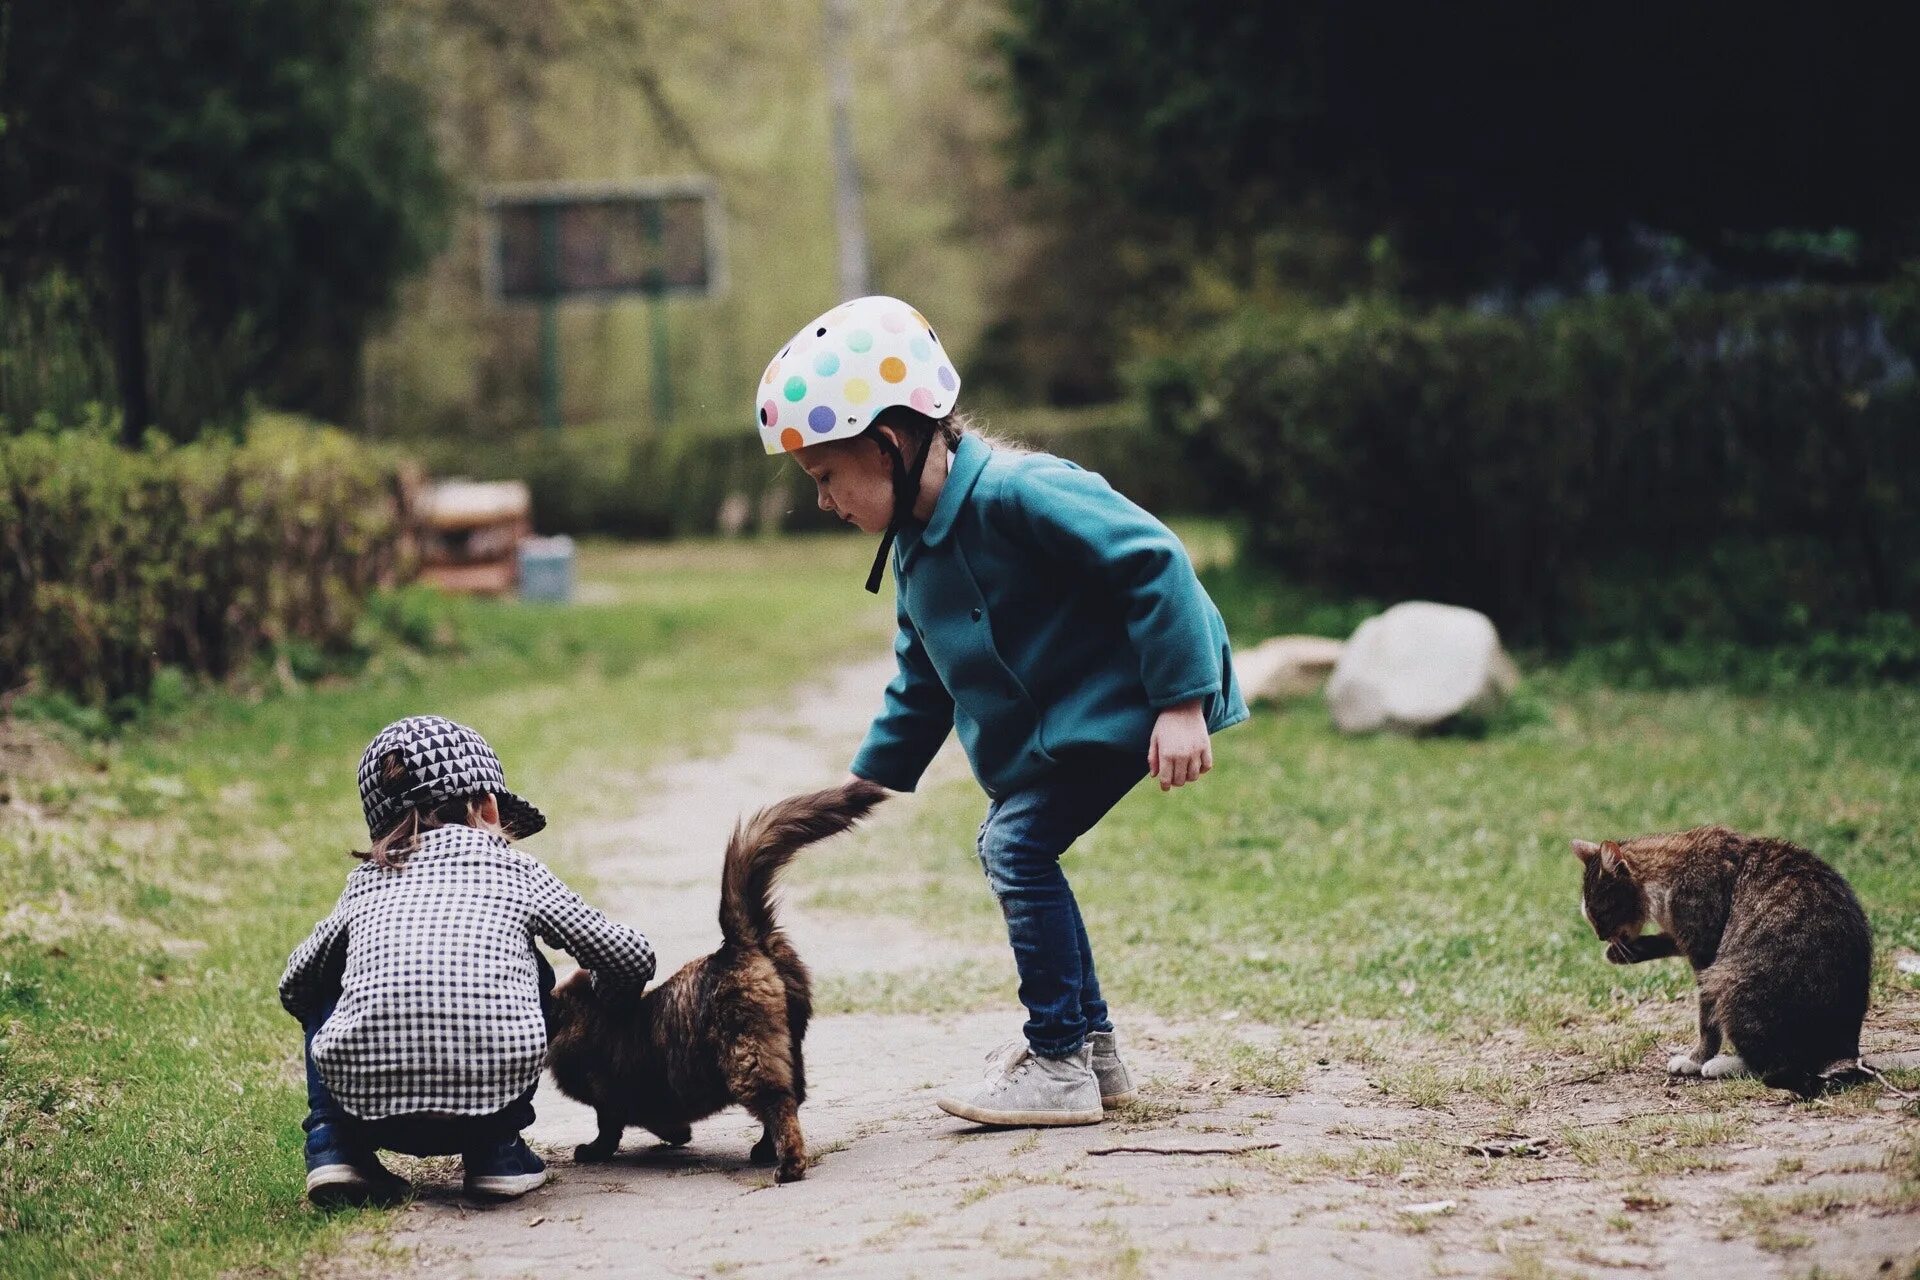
(1040, 611)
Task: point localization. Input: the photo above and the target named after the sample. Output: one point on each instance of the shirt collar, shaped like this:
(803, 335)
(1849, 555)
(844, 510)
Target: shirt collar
(963, 472)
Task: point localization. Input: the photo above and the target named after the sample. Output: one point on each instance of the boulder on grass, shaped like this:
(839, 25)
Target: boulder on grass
(1417, 666)
(1286, 667)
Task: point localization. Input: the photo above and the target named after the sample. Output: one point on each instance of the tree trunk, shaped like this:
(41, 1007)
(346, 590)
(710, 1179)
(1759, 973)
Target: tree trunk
(127, 313)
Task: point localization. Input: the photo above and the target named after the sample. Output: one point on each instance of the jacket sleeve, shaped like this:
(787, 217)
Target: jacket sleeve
(313, 970)
(618, 956)
(915, 720)
(1078, 518)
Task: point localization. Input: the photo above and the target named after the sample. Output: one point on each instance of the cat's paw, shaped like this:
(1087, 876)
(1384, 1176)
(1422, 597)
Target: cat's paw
(1681, 1064)
(1724, 1066)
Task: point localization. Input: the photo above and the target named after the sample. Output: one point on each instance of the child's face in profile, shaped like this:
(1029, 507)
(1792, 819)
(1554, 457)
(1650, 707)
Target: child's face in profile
(854, 479)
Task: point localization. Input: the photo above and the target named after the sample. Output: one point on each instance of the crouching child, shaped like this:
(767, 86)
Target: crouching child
(423, 995)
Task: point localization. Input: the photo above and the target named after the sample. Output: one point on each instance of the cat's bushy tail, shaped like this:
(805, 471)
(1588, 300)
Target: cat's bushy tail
(765, 843)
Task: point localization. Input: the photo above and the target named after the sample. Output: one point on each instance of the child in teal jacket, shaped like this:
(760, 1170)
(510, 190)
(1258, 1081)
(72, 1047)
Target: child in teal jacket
(1052, 623)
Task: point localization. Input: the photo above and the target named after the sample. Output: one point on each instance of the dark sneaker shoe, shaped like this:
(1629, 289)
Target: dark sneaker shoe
(1116, 1084)
(1023, 1089)
(340, 1173)
(506, 1169)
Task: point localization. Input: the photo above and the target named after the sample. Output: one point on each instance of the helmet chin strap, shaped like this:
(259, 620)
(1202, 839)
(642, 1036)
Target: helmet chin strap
(906, 491)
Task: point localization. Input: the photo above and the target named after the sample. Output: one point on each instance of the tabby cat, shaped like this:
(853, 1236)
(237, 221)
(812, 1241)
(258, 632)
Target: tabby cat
(1778, 943)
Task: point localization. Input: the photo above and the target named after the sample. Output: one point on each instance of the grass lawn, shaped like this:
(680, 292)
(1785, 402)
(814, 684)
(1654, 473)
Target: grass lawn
(151, 889)
(1428, 882)
(150, 1093)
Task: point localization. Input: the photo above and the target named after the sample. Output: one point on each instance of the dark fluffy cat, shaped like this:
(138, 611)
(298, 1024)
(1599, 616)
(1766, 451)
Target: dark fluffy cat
(728, 1027)
(1778, 943)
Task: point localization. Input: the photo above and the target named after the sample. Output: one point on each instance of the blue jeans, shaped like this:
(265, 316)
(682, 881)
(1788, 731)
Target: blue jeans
(330, 1124)
(1020, 844)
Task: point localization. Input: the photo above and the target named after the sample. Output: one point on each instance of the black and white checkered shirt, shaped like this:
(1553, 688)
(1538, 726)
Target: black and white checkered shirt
(439, 1007)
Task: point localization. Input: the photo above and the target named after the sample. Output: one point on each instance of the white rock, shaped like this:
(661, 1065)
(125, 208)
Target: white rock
(1431, 1209)
(1416, 666)
(1286, 667)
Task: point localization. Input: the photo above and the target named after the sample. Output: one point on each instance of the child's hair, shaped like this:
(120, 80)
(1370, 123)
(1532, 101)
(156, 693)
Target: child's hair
(393, 845)
(917, 426)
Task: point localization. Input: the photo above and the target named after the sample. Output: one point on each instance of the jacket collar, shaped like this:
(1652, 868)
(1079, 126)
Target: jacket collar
(963, 472)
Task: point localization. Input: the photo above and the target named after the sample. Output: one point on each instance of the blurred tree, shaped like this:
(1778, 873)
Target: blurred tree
(242, 177)
(1457, 149)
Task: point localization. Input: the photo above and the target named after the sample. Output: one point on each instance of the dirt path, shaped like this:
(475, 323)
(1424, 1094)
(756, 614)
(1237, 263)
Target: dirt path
(1324, 1172)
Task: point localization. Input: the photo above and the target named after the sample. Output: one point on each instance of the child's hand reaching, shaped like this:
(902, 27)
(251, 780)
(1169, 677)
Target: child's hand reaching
(1180, 751)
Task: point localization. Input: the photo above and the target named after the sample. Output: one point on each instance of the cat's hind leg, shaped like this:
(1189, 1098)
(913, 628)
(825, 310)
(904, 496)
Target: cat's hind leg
(612, 1127)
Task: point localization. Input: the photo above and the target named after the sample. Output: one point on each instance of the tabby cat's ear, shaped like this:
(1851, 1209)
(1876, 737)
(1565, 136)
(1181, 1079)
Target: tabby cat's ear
(1586, 850)
(1613, 858)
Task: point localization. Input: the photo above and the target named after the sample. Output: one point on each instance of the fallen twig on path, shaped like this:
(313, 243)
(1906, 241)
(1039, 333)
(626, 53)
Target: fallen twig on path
(1635, 1115)
(1586, 1079)
(1506, 1144)
(1185, 1151)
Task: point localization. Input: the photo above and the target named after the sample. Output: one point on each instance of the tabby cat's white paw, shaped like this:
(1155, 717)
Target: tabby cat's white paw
(1727, 1064)
(1682, 1065)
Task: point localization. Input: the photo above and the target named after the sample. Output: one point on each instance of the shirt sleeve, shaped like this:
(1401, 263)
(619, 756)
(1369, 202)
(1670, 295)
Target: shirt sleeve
(315, 965)
(619, 957)
(1080, 519)
(915, 720)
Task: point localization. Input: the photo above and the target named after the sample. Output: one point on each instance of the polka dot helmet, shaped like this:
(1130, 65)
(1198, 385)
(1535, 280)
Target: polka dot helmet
(844, 367)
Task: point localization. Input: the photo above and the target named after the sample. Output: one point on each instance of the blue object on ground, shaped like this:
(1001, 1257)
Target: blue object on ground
(546, 569)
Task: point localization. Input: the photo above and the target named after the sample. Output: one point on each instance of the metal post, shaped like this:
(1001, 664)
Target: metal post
(657, 309)
(550, 317)
(849, 217)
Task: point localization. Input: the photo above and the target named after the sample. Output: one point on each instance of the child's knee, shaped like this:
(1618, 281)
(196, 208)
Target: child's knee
(1012, 863)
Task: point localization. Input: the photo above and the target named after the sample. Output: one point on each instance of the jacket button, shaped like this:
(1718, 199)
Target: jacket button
(976, 615)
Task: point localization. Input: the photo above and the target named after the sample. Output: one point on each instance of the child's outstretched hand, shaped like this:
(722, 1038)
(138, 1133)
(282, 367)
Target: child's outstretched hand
(1180, 751)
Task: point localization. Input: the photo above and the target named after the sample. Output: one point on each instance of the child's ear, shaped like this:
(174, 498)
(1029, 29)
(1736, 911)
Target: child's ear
(1586, 850)
(1614, 858)
(488, 810)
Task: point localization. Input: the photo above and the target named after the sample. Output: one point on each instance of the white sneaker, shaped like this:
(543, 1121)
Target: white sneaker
(1023, 1089)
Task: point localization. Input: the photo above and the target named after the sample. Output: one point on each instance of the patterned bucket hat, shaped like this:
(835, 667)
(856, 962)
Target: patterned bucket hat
(440, 761)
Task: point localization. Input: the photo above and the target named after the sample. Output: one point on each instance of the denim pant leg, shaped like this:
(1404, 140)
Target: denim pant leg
(1020, 846)
(1093, 1006)
(321, 1106)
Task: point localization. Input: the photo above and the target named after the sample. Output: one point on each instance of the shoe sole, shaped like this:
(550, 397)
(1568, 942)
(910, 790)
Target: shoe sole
(1019, 1119)
(1113, 1100)
(507, 1186)
(341, 1186)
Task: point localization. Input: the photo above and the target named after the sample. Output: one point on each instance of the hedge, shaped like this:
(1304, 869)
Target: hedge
(1737, 466)
(612, 479)
(115, 563)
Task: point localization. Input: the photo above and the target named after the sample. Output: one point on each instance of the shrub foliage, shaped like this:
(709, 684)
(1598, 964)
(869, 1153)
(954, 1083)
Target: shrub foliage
(115, 563)
(1738, 466)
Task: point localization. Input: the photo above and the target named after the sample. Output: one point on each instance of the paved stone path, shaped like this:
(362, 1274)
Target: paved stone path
(898, 1189)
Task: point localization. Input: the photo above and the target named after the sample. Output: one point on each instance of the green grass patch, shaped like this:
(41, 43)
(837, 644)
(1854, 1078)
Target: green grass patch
(151, 888)
(1428, 881)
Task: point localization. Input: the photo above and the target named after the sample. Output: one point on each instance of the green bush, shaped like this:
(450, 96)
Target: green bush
(609, 479)
(1737, 467)
(1884, 646)
(116, 563)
